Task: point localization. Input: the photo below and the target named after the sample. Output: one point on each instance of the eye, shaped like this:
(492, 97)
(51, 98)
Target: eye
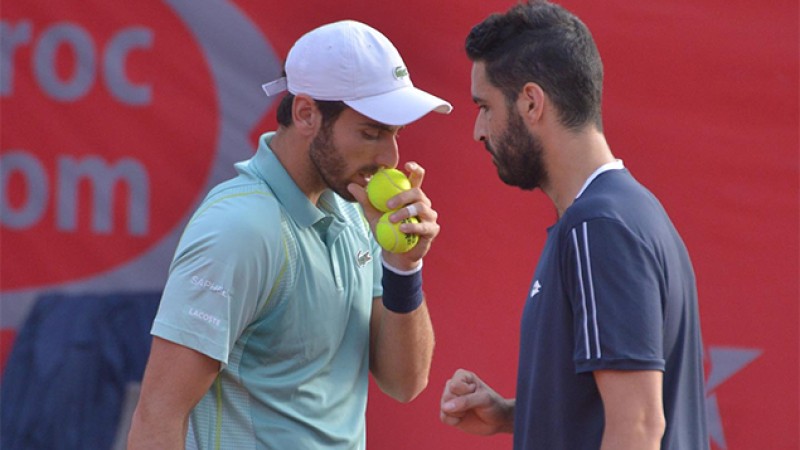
(371, 135)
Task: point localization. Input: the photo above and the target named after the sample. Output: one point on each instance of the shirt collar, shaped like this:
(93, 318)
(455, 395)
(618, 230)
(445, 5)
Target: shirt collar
(613, 165)
(271, 171)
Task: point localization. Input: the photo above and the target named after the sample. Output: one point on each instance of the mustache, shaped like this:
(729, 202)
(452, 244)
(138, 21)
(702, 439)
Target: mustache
(370, 170)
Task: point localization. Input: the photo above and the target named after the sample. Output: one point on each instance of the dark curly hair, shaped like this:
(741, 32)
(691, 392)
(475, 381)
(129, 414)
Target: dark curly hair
(543, 43)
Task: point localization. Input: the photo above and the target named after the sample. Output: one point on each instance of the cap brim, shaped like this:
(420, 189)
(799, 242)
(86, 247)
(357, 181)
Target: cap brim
(399, 107)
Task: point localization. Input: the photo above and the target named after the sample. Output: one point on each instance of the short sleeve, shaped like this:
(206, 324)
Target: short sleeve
(229, 256)
(614, 284)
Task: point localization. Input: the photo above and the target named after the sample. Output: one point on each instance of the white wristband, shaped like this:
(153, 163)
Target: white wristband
(402, 272)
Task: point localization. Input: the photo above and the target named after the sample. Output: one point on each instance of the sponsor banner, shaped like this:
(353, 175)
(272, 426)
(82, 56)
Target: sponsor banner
(115, 125)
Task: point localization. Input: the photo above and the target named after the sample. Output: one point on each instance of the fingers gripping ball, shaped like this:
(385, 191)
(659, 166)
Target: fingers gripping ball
(391, 238)
(385, 184)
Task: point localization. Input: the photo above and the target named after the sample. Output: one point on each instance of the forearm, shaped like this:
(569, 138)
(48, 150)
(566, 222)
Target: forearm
(150, 430)
(633, 409)
(507, 425)
(633, 436)
(175, 379)
(401, 353)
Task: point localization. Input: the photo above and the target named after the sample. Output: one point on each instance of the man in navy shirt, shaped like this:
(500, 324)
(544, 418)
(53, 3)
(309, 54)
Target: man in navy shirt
(611, 350)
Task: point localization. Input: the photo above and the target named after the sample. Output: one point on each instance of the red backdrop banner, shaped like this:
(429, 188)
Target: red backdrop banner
(116, 120)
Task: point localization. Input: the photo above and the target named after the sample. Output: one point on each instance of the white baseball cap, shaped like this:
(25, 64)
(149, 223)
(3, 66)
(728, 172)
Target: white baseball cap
(352, 62)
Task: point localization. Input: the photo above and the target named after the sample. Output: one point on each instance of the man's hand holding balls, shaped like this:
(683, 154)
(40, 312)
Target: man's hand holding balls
(400, 213)
(385, 184)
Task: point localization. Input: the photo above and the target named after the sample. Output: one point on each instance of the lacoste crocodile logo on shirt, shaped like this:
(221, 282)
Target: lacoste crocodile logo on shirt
(362, 258)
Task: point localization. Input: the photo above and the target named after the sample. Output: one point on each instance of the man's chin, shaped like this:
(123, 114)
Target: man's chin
(524, 185)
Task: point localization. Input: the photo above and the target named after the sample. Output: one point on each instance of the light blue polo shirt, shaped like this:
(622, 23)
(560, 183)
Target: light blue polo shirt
(280, 291)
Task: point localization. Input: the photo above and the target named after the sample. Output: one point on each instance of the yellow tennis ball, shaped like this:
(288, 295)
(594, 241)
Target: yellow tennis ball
(391, 238)
(385, 184)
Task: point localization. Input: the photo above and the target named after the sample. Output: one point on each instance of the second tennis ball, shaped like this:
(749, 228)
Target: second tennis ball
(385, 184)
(391, 238)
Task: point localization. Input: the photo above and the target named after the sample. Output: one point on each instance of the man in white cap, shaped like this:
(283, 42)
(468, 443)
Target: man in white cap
(279, 302)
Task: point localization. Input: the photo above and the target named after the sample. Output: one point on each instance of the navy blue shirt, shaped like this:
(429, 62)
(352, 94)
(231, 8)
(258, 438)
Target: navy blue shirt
(614, 289)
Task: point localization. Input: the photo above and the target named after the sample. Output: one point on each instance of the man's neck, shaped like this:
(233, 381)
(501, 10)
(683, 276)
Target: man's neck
(570, 159)
(292, 151)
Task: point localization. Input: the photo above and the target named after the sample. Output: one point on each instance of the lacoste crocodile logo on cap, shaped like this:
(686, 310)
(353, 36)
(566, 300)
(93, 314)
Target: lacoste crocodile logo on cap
(400, 72)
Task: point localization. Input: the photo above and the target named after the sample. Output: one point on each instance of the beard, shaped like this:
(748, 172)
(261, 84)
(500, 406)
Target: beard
(518, 155)
(331, 165)
(329, 162)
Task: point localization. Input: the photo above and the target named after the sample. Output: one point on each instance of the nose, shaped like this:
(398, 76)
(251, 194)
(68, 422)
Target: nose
(389, 154)
(479, 131)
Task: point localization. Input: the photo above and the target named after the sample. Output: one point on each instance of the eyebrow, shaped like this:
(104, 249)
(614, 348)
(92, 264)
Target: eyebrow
(477, 100)
(383, 127)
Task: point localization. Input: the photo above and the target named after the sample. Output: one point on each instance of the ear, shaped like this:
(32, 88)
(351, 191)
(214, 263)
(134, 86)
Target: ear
(305, 115)
(531, 102)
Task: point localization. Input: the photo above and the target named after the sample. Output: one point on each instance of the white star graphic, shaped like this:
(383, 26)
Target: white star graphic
(724, 362)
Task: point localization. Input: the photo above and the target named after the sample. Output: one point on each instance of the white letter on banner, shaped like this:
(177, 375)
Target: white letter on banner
(121, 87)
(103, 179)
(11, 37)
(45, 60)
(36, 183)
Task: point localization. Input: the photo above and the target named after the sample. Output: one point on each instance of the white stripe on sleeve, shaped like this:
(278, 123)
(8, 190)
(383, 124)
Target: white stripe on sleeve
(591, 288)
(583, 294)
